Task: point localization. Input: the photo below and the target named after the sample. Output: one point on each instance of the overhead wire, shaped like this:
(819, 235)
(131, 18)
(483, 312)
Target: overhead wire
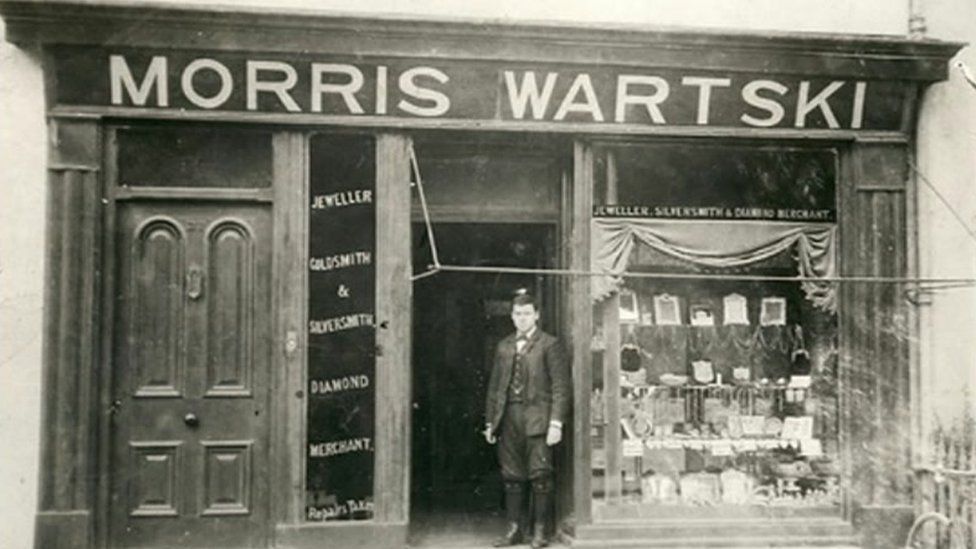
(705, 276)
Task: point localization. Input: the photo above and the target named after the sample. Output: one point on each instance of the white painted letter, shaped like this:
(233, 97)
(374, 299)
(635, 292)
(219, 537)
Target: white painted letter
(857, 110)
(441, 102)
(705, 86)
(589, 104)
(750, 94)
(804, 104)
(346, 90)
(279, 88)
(528, 93)
(381, 92)
(120, 75)
(226, 83)
(650, 102)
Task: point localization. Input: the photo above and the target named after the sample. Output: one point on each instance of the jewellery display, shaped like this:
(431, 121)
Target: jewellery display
(735, 308)
(702, 316)
(667, 310)
(629, 309)
(703, 371)
(730, 413)
(773, 311)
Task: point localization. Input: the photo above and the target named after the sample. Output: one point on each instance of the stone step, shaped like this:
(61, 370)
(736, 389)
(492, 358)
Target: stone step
(711, 512)
(718, 528)
(779, 542)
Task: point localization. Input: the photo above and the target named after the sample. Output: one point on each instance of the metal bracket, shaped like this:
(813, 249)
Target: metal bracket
(291, 343)
(919, 296)
(194, 283)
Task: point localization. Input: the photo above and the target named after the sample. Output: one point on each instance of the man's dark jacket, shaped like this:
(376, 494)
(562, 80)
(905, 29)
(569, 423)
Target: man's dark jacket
(547, 385)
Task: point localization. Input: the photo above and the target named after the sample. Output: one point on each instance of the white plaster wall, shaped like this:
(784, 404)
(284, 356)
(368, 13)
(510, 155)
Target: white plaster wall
(947, 158)
(22, 203)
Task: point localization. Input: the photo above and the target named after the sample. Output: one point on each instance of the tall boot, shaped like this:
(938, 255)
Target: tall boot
(542, 496)
(514, 498)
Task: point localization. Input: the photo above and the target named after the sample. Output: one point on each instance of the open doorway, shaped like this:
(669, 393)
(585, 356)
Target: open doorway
(458, 319)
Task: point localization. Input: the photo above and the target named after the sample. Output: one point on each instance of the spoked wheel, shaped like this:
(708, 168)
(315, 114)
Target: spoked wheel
(933, 530)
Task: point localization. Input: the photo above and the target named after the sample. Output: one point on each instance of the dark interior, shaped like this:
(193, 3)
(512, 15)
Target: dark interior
(458, 318)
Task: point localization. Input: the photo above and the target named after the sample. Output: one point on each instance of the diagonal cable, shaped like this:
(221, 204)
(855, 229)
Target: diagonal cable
(435, 266)
(945, 202)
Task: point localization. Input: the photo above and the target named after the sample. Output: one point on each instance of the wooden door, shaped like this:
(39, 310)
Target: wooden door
(191, 375)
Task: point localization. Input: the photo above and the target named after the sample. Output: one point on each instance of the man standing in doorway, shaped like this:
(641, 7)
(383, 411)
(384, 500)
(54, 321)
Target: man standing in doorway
(527, 404)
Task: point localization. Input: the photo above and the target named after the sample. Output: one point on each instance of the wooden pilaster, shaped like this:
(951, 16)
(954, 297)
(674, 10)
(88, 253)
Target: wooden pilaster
(394, 295)
(289, 273)
(876, 330)
(71, 309)
(581, 311)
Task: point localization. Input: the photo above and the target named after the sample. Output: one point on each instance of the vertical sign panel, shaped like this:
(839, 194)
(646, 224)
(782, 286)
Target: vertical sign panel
(341, 332)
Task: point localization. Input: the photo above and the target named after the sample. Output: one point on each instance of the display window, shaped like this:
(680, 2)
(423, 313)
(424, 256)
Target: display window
(714, 373)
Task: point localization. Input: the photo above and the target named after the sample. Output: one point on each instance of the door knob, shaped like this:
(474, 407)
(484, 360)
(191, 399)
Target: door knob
(191, 420)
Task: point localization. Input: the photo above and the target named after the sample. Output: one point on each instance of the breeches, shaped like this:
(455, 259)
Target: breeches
(522, 457)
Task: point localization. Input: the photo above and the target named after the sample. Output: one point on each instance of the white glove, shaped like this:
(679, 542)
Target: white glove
(555, 433)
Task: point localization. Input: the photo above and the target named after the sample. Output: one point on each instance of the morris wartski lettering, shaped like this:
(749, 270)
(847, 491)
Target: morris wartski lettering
(483, 90)
(646, 99)
(277, 81)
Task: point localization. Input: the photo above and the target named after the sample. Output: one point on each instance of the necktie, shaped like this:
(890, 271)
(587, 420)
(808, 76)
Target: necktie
(518, 374)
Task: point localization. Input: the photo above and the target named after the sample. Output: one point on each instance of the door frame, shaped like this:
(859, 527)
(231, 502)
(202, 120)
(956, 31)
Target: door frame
(290, 216)
(550, 297)
(111, 194)
(564, 254)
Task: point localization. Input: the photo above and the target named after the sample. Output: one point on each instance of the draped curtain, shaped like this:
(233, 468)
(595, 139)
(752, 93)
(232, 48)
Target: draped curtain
(716, 243)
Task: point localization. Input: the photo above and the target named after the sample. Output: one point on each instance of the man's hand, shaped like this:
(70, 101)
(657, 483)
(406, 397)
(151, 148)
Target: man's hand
(555, 433)
(489, 437)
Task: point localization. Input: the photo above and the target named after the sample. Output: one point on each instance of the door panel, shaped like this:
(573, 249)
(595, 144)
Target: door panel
(156, 274)
(227, 470)
(154, 489)
(191, 375)
(230, 277)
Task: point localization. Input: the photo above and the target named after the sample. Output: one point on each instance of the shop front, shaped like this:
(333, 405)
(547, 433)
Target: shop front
(281, 249)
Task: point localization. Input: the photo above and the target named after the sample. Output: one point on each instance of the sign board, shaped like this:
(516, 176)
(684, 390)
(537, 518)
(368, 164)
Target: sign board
(472, 90)
(341, 331)
(806, 215)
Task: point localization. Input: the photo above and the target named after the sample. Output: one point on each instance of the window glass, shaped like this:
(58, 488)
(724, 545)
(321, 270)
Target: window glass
(487, 176)
(714, 379)
(181, 156)
(342, 334)
(683, 175)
